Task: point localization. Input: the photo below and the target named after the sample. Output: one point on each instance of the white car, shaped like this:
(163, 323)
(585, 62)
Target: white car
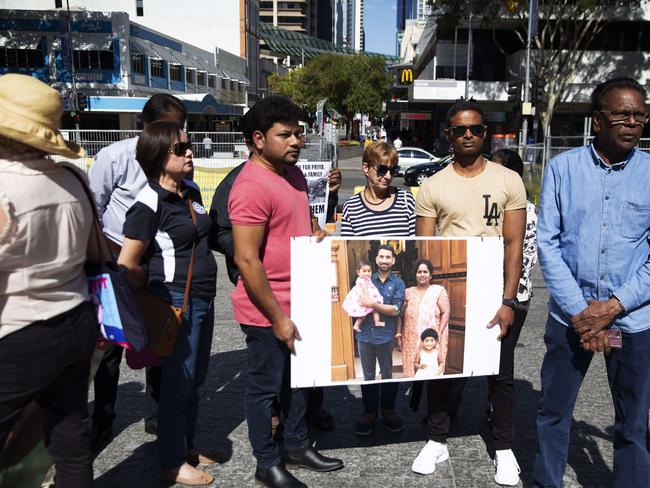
(409, 156)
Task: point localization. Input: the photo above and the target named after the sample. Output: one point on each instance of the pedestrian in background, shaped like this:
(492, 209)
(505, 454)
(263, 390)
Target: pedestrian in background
(167, 229)
(593, 234)
(116, 178)
(48, 327)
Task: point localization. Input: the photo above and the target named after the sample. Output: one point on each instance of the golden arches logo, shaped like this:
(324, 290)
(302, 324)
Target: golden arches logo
(407, 75)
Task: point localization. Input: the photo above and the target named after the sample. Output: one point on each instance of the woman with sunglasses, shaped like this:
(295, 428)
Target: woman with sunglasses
(380, 209)
(161, 231)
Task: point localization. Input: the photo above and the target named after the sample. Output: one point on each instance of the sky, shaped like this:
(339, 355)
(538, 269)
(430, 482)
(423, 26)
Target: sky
(379, 20)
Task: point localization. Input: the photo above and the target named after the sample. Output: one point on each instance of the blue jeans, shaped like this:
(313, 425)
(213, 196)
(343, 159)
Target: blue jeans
(384, 393)
(563, 370)
(182, 373)
(269, 373)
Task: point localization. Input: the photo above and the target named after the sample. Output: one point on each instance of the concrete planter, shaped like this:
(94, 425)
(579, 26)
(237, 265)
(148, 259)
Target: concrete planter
(347, 152)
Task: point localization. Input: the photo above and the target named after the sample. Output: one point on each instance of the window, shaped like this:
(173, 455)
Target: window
(223, 83)
(212, 81)
(156, 67)
(93, 59)
(200, 78)
(175, 72)
(189, 76)
(139, 8)
(21, 58)
(137, 62)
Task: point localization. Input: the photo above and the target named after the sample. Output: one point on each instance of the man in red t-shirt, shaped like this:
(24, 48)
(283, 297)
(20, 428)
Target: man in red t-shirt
(268, 205)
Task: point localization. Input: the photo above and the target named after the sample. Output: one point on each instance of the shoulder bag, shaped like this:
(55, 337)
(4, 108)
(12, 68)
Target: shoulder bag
(163, 320)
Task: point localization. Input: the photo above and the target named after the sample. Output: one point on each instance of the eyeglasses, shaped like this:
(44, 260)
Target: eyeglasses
(382, 169)
(460, 130)
(620, 117)
(180, 148)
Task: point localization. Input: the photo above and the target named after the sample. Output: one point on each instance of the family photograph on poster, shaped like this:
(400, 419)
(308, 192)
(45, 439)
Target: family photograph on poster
(435, 295)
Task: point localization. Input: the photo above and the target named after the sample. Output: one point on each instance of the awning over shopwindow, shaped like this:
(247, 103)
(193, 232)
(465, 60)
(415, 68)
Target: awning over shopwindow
(20, 40)
(87, 42)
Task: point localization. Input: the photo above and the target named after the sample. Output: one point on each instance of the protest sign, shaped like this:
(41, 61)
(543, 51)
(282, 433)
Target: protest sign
(460, 298)
(316, 173)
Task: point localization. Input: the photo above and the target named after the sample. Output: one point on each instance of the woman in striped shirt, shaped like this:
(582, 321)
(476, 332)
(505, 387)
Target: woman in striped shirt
(380, 209)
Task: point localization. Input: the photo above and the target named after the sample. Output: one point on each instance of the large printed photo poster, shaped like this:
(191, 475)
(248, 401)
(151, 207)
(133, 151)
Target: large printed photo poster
(451, 290)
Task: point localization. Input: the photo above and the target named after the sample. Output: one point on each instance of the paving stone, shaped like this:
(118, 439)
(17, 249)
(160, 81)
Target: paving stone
(382, 459)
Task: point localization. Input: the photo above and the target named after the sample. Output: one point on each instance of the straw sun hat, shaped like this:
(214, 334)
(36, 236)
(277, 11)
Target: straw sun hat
(30, 113)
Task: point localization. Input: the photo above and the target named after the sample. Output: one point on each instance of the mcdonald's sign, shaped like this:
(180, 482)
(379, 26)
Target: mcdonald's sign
(407, 76)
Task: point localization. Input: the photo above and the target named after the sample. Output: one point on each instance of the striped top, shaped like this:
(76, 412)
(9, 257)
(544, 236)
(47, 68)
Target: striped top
(396, 220)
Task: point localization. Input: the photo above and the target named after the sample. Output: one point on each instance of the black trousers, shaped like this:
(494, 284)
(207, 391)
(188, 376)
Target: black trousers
(106, 382)
(49, 362)
(501, 393)
(269, 374)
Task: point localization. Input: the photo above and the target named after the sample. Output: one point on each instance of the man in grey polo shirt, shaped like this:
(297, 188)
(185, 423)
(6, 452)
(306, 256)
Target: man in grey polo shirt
(115, 179)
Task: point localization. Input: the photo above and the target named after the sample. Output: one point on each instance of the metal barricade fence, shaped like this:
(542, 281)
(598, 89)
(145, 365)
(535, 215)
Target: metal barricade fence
(214, 153)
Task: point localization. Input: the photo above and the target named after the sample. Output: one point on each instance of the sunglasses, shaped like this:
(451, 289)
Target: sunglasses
(382, 169)
(460, 130)
(180, 148)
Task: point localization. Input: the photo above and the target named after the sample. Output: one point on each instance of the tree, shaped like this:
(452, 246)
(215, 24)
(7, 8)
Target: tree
(351, 84)
(566, 29)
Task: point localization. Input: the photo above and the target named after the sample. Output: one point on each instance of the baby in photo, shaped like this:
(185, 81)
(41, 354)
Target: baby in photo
(427, 362)
(364, 286)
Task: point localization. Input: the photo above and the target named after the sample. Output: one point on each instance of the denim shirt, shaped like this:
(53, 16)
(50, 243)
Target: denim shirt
(593, 235)
(392, 290)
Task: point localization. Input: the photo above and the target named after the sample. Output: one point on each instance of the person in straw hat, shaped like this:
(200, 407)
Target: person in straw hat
(48, 326)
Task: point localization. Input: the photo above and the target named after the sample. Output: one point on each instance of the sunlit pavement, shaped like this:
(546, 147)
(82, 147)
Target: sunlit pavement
(381, 459)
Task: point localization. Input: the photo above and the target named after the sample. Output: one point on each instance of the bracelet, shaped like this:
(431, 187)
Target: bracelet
(399, 334)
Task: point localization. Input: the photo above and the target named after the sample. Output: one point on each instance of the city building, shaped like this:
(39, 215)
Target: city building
(296, 15)
(428, 84)
(410, 20)
(348, 24)
(116, 64)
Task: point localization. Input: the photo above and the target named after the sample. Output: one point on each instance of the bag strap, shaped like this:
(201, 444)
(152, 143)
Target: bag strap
(105, 253)
(191, 266)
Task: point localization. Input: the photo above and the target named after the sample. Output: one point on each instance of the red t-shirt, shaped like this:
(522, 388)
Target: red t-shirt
(260, 196)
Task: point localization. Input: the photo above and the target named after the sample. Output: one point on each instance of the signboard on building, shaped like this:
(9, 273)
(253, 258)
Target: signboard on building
(415, 116)
(406, 76)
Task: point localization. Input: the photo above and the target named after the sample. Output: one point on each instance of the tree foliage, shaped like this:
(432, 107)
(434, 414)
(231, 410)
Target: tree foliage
(566, 29)
(351, 84)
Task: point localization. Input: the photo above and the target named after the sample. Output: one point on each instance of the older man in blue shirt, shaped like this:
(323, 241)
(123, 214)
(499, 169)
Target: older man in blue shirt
(376, 344)
(593, 237)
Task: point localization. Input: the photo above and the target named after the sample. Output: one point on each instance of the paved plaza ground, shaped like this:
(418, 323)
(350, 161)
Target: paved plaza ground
(382, 459)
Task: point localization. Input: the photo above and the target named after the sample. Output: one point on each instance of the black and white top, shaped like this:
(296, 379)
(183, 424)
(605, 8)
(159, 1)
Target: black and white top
(164, 219)
(397, 220)
(525, 291)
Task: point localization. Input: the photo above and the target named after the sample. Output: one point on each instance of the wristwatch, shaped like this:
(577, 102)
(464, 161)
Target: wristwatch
(513, 303)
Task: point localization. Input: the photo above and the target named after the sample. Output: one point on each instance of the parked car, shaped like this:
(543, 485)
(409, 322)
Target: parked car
(415, 175)
(409, 156)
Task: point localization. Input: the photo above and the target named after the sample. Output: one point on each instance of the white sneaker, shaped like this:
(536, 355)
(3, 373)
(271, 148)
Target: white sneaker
(507, 468)
(430, 455)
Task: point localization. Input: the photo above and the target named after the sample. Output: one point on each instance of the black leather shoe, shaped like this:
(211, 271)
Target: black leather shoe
(277, 477)
(100, 438)
(151, 427)
(309, 458)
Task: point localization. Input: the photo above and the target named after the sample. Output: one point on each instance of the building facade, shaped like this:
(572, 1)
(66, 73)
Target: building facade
(117, 64)
(496, 57)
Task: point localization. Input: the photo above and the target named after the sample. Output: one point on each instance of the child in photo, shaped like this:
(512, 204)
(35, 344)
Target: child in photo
(427, 363)
(364, 286)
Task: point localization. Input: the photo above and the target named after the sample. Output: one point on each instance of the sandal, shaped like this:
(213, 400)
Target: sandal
(172, 476)
(199, 456)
